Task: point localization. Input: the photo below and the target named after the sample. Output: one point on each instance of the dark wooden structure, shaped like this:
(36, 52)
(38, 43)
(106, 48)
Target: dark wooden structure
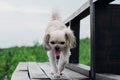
(105, 35)
(107, 38)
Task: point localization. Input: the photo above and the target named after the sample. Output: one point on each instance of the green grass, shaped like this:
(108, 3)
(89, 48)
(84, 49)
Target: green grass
(84, 53)
(10, 57)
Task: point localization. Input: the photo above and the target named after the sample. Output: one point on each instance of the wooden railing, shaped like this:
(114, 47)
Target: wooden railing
(105, 36)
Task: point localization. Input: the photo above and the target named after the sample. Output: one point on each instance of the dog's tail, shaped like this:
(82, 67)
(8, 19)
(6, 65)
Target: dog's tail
(55, 15)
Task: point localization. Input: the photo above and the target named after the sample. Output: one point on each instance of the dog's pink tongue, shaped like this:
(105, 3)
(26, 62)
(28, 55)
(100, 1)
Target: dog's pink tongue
(57, 53)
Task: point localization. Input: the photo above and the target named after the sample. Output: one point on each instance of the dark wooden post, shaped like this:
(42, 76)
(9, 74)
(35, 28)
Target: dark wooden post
(107, 38)
(92, 33)
(75, 26)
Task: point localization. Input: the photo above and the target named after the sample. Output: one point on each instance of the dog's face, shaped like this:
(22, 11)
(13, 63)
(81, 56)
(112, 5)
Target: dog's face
(59, 40)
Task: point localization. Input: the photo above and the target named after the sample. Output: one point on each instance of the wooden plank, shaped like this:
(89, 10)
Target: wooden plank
(72, 75)
(20, 72)
(82, 9)
(35, 72)
(80, 68)
(20, 75)
(47, 70)
(107, 76)
(22, 66)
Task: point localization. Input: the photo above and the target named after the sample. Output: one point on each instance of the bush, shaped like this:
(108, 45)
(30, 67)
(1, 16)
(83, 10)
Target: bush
(9, 58)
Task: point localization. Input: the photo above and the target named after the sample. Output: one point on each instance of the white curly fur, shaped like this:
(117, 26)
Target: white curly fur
(57, 34)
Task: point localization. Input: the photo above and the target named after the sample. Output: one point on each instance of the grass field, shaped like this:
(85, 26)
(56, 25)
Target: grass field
(10, 57)
(84, 51)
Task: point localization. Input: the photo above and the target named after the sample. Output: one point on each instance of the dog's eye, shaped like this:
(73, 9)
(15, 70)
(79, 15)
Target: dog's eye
(52, 42)
(62, 42)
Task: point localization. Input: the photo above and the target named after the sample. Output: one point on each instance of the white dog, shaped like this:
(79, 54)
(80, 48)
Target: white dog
(58, 41)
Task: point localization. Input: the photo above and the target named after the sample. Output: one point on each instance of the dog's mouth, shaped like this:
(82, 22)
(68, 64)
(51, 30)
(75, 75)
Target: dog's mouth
(57, 53)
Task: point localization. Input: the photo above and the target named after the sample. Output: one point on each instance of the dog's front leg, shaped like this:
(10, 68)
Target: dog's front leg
(53, 63)
(64, 58)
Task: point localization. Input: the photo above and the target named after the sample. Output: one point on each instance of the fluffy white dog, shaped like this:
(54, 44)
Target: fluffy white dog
(58, 41)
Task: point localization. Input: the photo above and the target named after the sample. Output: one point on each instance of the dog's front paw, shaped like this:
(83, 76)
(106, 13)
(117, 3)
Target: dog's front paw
(56, 75)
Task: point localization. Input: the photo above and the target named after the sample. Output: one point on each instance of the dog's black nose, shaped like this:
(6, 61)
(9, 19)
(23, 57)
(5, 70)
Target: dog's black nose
(57, 48)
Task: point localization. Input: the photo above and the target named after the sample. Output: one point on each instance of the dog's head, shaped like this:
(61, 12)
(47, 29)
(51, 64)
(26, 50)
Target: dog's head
(59, 40)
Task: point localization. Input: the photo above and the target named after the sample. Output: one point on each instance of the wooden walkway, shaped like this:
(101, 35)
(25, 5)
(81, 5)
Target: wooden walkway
(41, 71)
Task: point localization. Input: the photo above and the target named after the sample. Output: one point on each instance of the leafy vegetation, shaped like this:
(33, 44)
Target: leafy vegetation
(84, 53)
(10, 57)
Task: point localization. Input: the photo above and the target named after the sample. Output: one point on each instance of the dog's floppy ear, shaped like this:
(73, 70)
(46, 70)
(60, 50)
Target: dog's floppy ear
(71, 41)
(46, 42)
